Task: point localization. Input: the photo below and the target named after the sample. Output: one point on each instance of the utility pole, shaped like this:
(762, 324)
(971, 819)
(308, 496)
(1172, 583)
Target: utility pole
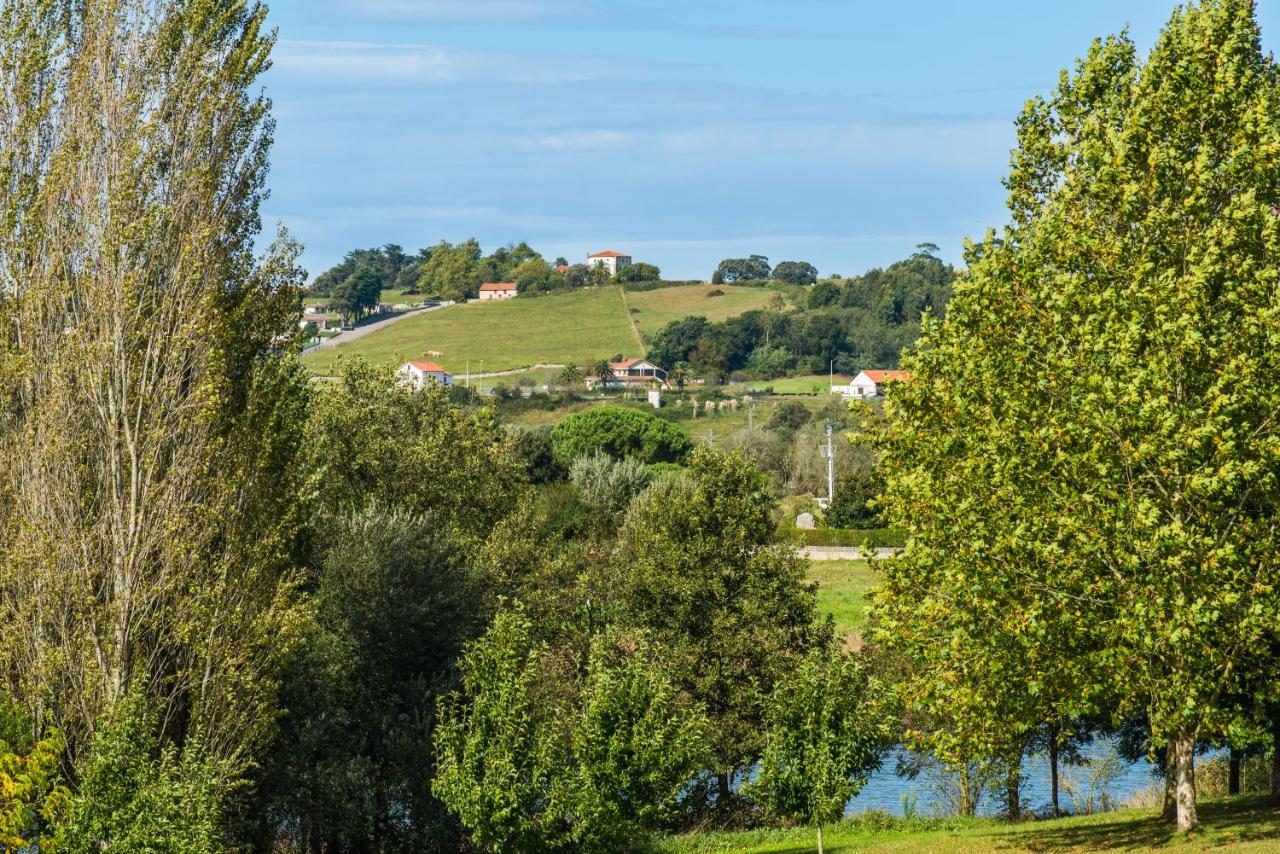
(831, 468)
(468, 372)
(831, 376)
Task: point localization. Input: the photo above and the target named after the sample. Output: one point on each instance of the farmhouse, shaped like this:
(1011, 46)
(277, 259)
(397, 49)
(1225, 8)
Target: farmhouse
(611, 261)
(498, 290)
(421, 374)
(871, 383)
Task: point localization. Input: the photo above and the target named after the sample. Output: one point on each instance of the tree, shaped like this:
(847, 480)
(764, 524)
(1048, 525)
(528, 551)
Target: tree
(570, 375)
(796, 272)
(530, 763)
(358, 294)
(577, 276)
(825, 730)
(149, 435)
(676, 341)
(453, 271)
(730, 607)
(608, 485)
(639, 272)
(753, 268)
(679, 374)
(1126, 498)
(852, 505)
(620, 433)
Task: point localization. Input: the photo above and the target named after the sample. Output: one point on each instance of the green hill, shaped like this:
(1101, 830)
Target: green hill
(576, 326)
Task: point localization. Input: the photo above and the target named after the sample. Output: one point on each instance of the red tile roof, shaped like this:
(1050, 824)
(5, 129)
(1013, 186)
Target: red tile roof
(888, 376)
(498, 286)
(624, 364)
(429, 368)
(609, 254)
(563, 268)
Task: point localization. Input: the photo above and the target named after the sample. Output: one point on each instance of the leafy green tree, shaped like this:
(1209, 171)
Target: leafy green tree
(453, 271)
(33, 797)
(676, 341)
(852, 505)
(577, 276)
(826, 726)
(730, 607)
(1101, 536)
(358, 294)
(620, 433)
(531, 761)
(571, 375)
(752, 268)
(796, 272)
(639, 272)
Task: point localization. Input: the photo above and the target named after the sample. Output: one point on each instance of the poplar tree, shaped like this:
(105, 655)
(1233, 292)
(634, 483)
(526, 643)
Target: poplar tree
(1087, 457)
(150, 413)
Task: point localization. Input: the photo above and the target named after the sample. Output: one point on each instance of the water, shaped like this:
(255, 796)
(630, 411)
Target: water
(885, 790)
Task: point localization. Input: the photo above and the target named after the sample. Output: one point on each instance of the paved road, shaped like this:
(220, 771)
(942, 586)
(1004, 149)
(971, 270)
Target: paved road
(367, 328)
(845, 553)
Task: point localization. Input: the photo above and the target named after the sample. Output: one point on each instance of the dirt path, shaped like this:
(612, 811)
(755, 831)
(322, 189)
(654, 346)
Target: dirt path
(631, 318)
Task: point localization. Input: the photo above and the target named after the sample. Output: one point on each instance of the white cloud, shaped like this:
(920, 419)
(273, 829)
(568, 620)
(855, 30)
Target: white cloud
(422, 63)
(578, 141)
(468, 10)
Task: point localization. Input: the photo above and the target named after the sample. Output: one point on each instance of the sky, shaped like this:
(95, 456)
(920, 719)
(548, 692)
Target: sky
(839, 132)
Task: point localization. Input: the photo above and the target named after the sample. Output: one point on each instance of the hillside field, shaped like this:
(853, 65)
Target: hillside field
(575, 326)
(579, 326)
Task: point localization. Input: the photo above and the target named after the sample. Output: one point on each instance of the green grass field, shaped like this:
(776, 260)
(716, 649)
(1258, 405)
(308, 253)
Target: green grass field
(1246, 824)
(817, 384)
(580, 326)
(653, 310)
(842, 590)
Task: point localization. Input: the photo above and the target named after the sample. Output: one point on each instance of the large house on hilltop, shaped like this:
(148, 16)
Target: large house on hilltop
(498, 290)
(422, 374)
(871, 383)
(611, 261)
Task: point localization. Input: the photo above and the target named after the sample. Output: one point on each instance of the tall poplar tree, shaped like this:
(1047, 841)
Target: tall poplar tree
(150, 412)
(1087, 457)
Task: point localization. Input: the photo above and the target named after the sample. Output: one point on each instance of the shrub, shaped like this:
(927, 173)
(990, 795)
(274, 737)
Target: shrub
(620, 432)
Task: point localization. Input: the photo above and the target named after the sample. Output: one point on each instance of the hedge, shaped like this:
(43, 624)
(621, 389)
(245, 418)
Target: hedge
(871, 537)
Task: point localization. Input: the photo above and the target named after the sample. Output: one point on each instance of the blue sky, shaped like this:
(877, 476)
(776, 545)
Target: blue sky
(842, 132)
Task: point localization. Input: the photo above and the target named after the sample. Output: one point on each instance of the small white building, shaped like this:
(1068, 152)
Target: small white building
(611, 261)
(871, 383)
(422, 374)
(497, 291)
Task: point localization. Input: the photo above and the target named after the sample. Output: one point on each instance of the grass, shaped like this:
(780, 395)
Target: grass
(655, 309)
(842, 590)
(579, 326)
(819, 384)
(1246, 824)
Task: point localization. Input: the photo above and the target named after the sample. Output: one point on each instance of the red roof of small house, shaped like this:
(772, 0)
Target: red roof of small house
(498, 286)
(888, 376)
(624, 364)
(609, 254)
(429, 368)
(562, 268)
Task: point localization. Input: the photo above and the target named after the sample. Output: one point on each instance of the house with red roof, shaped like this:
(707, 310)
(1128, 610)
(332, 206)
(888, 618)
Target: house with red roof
(497, 291)
(872, 383)
(422, 374)
(630, 372)
(610, 260)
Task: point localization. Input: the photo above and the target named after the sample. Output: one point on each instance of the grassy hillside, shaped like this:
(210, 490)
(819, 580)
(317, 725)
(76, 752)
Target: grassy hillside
(1231, 824)
(579, 326)
(653, 310)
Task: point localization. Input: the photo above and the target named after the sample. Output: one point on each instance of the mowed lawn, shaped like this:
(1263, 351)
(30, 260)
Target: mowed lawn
(653, 310)
(842, 590)
(579, 326)
(819, 384)
(1246, 824)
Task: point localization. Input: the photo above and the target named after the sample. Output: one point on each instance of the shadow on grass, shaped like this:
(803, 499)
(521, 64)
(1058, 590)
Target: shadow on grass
(1223, 823)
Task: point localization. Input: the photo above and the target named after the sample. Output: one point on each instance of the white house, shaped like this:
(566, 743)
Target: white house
(871, 383)
(498, 290)
(421, 374)
(631, 372)
(611, 261)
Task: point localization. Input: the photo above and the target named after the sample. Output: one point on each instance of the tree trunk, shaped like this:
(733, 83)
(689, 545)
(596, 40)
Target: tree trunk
(820, 839)
(1233, 772)
(1170, 810)
(1185, 779)
(722, 794)
(1053, 770)
(1275, 754)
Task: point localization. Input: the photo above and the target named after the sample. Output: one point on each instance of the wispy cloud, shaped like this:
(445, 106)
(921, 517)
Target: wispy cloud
(424, 63)
(578, 141)
(468, 10)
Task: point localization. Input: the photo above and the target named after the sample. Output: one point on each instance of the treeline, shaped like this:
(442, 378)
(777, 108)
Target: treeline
(455, 271)
(845, 326)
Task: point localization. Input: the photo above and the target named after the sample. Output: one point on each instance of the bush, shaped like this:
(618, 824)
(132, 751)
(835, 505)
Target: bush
(620, 432)
(714, 292)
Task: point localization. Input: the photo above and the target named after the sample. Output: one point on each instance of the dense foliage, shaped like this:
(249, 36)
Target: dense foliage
(620, 433)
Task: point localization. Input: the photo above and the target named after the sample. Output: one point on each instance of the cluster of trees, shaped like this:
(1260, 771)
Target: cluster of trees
(756, 268)
(1086, 458)
(849, 325)
(456, 271)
